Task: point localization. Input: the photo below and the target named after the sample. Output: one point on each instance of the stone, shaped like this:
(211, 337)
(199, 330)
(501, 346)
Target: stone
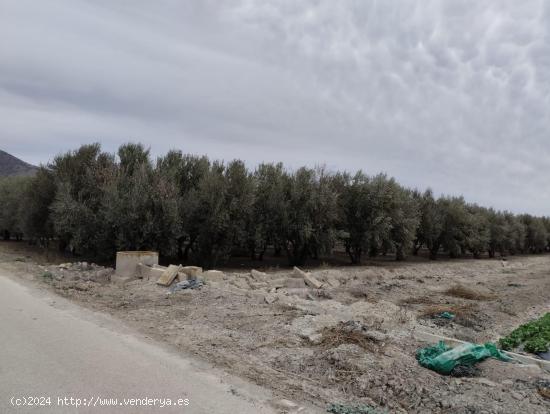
(149, 273)
(256, 274)
(516, 395)
(311, 281)
(214, 275)
(299, 292)
(485, 381)
(257, 285)
(295, 283)
(102, 276)
(269, 299)
(121, 281)
(315, 338)
(169, 275)
(240, 282)
(191, 271)
(277, 283)
(286, 406)
(155, 273)
(307, 277)
(375, 336)
(296, 272)
(332, 282)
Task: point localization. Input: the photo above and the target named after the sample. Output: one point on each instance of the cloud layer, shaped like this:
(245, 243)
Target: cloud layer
(452, 95)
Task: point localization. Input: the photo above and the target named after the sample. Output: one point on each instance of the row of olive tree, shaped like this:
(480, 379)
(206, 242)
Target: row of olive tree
(95, 203)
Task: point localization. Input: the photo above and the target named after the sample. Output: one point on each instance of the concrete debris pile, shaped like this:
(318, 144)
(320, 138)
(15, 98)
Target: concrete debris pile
(81, 271)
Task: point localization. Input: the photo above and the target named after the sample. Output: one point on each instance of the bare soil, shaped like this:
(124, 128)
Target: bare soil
(350, 342)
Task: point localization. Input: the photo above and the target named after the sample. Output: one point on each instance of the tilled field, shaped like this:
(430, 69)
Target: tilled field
(352, 341)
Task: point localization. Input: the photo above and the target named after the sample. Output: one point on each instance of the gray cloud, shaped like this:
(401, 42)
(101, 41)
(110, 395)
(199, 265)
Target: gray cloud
(452, 95)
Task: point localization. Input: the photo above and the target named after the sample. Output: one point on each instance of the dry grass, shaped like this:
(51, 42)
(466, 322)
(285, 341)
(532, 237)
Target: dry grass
(459, 291)
(545, 392)
(460, 311)
(336, 336)
(417, 300)
(465, 315)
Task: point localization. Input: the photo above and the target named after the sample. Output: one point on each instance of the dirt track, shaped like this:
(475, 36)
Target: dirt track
(298, 347)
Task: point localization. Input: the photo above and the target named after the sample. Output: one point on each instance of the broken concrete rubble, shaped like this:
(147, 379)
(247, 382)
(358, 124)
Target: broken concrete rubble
(270, 298)
(277, 283)
(169, 275)
(149, 273)
(294, 283)
(258, 275)
(296, 272)
(307, 277)
(127, 262)
(213, 275)
(191, 271)
(311, 281)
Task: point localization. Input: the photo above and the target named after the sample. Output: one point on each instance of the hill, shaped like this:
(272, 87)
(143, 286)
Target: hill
(10, 165)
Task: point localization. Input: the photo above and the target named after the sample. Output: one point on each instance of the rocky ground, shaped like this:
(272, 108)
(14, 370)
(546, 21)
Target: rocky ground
(350, 341)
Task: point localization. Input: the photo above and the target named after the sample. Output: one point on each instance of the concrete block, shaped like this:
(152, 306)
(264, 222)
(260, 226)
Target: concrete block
(312, 282)
(214, 275)
(278, 283)
(149, 273)
(256, 274)
(298, 273)
(191, 271)
(127, 262)
(169, 275)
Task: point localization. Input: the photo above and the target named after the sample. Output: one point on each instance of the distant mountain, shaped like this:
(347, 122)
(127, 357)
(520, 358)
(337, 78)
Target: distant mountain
(10, 165)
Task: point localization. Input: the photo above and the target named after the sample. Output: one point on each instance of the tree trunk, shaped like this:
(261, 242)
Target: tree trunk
(261, 255)
(400, 254)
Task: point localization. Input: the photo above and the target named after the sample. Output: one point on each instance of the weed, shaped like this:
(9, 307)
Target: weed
(465, 315)
(47, 276)
(463, 292)
(417, 300)
(535, 335)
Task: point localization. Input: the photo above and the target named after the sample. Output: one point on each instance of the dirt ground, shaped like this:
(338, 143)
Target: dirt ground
(351, 342)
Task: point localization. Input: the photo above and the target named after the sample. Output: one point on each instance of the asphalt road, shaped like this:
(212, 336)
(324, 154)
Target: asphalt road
(52, 348)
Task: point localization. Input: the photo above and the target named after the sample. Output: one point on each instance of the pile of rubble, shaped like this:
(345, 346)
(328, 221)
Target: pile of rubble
(81, 271)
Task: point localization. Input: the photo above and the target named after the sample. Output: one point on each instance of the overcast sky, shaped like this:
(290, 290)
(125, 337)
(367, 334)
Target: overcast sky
(451, 94)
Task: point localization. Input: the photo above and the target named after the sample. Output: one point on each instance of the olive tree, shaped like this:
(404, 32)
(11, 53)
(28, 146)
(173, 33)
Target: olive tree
(310, 211)
(268, 209)
(77, 209)
(36, 200)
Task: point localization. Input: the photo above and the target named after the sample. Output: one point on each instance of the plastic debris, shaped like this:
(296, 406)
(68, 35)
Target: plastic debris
(446, 315)
(187, 284)
(443, 359)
